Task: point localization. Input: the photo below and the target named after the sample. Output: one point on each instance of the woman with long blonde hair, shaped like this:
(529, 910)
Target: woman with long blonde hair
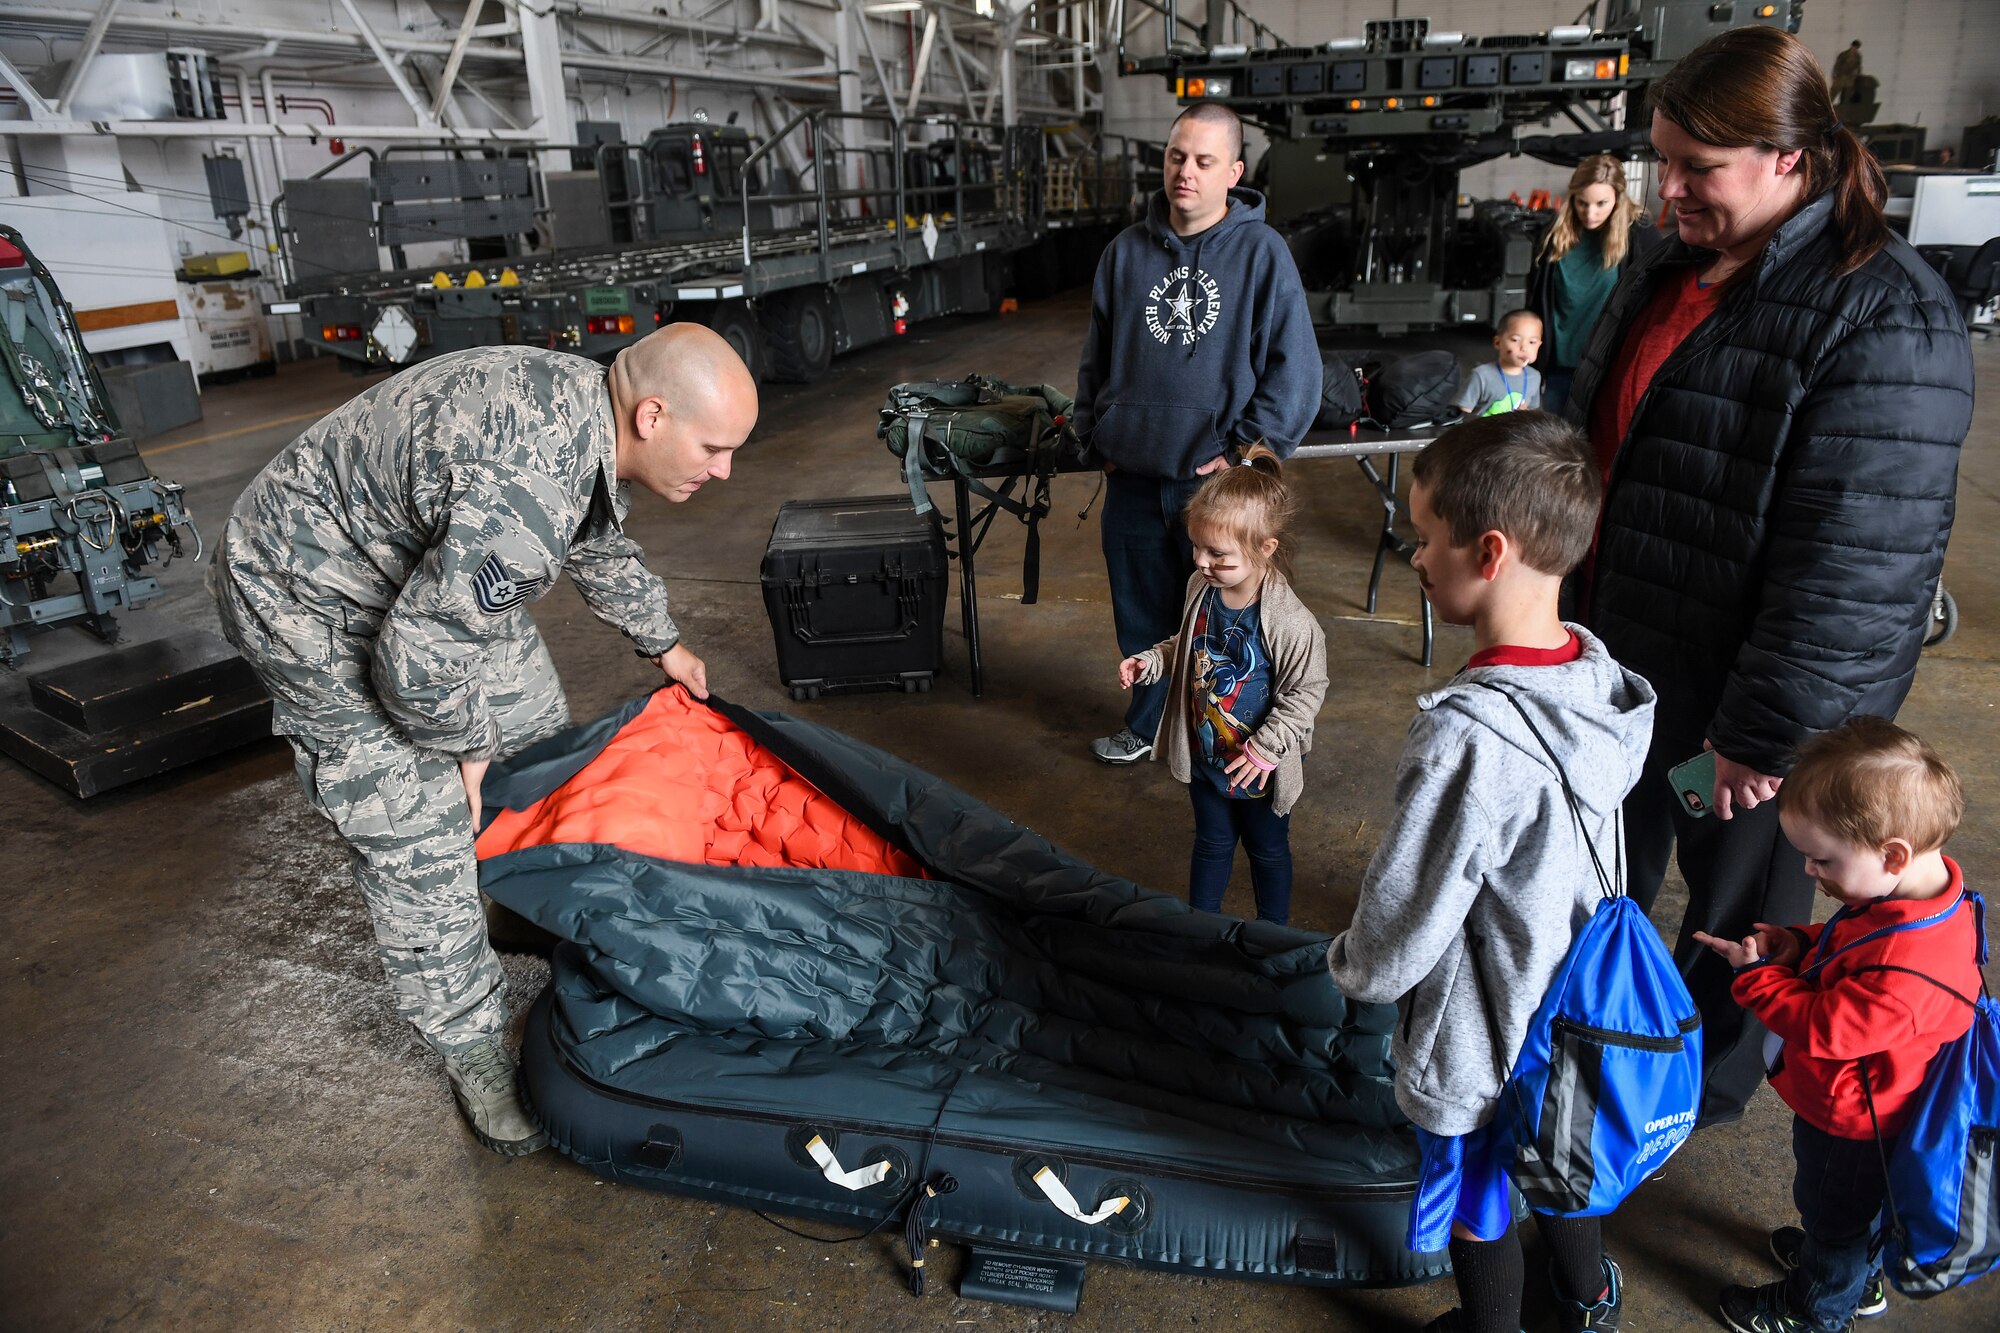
(1597, 234)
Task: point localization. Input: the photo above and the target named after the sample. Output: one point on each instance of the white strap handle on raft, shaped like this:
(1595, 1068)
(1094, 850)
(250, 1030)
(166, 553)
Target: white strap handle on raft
(1067, 1205)
(829, 1166)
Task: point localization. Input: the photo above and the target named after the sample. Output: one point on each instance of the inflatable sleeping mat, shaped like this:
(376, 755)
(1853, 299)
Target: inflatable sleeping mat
(800, 975)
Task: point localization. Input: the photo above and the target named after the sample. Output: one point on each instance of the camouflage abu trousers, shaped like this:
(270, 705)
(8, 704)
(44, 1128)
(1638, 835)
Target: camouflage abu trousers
(404, 816)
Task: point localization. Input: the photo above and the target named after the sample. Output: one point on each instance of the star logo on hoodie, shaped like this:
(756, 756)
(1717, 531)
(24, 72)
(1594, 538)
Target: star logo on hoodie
(1183, 306)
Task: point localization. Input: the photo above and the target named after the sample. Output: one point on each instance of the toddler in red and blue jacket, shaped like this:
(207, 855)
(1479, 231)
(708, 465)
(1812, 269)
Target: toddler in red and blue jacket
(1884, 983)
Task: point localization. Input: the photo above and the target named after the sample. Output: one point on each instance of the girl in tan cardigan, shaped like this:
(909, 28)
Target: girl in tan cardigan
(1246, 674)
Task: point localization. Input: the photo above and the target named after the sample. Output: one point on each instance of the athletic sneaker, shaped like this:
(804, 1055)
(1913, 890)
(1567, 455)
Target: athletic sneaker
(1123, 748)
(1765, 1309)
(1787, 1243)
(1576, 1317)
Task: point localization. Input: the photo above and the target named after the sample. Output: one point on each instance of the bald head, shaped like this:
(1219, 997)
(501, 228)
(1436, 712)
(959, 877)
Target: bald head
(684, 402)
(689, 366)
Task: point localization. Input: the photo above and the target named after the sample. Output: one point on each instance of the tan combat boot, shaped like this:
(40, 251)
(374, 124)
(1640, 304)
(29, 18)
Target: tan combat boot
(482, 1079)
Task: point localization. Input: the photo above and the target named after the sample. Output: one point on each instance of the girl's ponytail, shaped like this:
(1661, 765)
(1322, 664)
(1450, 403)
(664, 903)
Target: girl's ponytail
(1249, 502)
(1265, 459)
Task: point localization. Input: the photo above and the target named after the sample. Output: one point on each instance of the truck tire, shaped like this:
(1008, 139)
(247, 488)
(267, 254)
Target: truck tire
(740, 329)
(799, 329)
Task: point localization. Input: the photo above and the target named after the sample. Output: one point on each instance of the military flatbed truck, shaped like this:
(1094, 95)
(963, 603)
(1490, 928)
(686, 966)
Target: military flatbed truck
(697, 223)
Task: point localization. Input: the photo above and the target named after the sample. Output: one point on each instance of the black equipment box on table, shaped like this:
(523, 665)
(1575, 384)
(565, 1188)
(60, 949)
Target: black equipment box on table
(855, 588)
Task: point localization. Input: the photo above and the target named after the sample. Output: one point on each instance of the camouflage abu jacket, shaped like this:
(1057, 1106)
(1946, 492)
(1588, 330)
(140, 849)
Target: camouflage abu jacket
(385, 548)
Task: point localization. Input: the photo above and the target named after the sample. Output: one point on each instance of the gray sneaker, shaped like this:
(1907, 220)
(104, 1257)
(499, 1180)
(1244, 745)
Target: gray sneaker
(482, 1079)
(1123, 748)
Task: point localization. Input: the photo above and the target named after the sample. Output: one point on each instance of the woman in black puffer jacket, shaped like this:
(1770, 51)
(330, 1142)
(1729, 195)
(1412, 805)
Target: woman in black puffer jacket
(1778, 395)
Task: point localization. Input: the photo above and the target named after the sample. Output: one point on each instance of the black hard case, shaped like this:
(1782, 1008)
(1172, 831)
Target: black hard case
(855, 589)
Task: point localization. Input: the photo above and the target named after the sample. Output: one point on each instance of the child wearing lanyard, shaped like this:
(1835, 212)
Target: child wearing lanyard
(1510, 383)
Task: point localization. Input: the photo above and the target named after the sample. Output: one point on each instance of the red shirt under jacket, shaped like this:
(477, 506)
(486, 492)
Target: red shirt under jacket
(1673, 313)
(1849, 1009)
(1508, 654)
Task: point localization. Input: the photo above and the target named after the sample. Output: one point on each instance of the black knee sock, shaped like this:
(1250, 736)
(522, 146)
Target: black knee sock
(1489, 1283)
(1576, 1256)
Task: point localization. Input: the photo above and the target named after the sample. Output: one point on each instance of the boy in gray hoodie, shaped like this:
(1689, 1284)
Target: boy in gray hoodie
(1482, 881)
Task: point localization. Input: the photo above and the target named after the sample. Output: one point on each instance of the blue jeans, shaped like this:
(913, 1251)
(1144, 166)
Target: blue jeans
(1149, 559)
(1219, 821)
(1839, 1191)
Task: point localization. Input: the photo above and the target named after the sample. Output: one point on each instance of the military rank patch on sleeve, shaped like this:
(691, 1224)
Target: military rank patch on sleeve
(496, 590)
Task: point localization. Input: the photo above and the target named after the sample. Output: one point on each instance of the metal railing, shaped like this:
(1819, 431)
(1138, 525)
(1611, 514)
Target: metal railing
(1171, 24)
(1105, 178)
(829, 155)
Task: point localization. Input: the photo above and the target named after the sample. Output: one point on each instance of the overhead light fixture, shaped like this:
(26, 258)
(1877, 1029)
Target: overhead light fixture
(1032, 41)
(891, 6)
(983, 8)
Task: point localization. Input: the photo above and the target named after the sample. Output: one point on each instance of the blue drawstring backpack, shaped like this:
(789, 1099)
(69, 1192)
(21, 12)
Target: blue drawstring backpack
(1944, 1189)
(1608, 1082)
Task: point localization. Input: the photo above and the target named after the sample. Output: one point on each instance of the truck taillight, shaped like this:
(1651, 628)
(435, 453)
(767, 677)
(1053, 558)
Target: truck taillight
(339, 333)
(609, 324)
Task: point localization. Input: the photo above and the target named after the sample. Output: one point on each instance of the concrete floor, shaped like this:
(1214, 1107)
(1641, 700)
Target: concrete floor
(216, 1121)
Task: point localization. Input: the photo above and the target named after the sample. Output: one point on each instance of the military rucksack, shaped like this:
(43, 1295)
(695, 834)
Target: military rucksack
(980, 424)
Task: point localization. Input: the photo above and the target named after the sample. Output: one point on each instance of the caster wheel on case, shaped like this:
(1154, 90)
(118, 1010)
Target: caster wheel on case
(910, 685)
(1944, 618)
(924, 685)
(798, 693)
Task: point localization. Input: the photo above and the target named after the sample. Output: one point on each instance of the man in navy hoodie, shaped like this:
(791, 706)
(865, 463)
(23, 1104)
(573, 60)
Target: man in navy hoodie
(1199, 339)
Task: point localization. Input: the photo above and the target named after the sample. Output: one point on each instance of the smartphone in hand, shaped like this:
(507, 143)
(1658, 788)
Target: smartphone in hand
(1694, 783)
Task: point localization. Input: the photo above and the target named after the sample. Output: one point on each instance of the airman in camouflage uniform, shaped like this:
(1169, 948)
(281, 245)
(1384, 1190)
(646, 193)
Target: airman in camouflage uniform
(377, 575)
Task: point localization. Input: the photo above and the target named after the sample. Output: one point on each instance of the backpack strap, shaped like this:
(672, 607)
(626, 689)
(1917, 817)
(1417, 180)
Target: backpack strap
(1821, 957)
(1503, 1065)
(1922, 976)
(913, 456)
(1978, 930)
(1604, 882)
(1882, 1153)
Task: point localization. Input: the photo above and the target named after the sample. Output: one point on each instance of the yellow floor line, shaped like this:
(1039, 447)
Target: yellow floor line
(151, 449)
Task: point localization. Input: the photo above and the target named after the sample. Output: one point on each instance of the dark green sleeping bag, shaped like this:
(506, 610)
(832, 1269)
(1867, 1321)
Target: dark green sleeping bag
(1041, 1037)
